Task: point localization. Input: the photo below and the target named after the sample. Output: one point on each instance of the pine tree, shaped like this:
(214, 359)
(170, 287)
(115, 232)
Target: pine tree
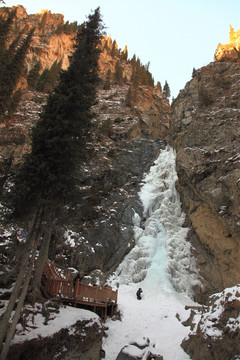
(114, 48)
(34, 75)
(59, 137)
(194, 72)
(125, 53)
(129, 97)
(14, 101)
(166, 91)
(47, 80)
(107, 83)
(118, 75)
(46, 177)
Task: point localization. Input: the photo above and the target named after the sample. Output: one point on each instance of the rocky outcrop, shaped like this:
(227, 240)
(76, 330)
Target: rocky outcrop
(53, 40)
(137, 351)
(83, 341)
(231, 50)
(101, 231)
(204, 129)
(47, 44)
(215, 328)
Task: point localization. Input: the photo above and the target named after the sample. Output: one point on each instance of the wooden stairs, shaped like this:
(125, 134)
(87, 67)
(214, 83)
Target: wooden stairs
(99, 299)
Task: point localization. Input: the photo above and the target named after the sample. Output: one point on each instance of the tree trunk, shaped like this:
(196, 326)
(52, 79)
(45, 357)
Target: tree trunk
(43, 256)
(26, 268)
(17, 314)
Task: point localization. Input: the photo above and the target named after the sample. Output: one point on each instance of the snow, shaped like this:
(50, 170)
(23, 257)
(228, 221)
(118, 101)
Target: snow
(208, 321)
(153, 317)
(66, 318)
(70, 237)
(161, 264)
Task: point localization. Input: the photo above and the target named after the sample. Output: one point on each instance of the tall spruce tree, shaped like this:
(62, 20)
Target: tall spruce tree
(45, 179)
(59, 137)
(166, 91)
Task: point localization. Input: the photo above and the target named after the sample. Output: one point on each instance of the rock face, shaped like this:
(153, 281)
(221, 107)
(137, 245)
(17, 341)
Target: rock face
(231, 50)
(84, 343)
(101, 230)
(47, 44)
(137, 351)
(204, 129)
(215, 328)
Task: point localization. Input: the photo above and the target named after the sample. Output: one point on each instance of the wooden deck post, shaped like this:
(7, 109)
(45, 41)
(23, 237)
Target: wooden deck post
(76, 292)
(105, 314)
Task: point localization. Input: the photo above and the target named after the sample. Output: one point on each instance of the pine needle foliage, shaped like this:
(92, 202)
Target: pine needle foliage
(59, 138)
(166, 91)
(47, 80)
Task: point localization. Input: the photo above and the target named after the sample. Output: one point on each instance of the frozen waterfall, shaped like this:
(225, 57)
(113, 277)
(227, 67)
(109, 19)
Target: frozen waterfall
(162, 265)
(161, 257)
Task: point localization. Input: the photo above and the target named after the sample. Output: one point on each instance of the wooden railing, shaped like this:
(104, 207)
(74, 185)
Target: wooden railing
(51, 271)
(81, 292)
(78, 292)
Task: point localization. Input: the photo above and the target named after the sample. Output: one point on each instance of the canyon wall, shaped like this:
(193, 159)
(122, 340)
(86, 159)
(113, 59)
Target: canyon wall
(204, 129)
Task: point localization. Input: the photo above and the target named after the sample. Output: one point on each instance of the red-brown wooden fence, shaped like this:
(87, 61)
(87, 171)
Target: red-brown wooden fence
(80, 293)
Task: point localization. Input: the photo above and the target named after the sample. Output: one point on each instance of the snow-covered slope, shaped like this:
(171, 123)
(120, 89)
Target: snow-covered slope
(162, 265)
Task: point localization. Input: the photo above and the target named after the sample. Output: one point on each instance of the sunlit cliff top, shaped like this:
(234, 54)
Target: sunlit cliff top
(229, 50)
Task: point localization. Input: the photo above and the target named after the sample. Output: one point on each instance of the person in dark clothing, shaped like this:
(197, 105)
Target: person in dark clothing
(138, 293)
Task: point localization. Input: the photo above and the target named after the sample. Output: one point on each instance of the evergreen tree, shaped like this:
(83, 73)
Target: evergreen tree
(166, 91)
(48, 78)
(125, 53)
(34, 75)
(107, 83)
(129, 97)
(59, 137)
(5, 26)
(46, 177)
(73, 27)
(106, 46)
(60, 29)
(14, 101)
(118, 75)
(66, 27)
(114, 48)
(40, 86)
(133, 60)
(194, 72)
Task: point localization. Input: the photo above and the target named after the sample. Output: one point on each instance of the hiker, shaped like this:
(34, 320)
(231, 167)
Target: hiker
(138, 293)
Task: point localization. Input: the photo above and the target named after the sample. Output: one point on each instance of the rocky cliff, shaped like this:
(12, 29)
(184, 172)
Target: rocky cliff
(204, 130)
(126, 139)
(96, 235)
(231, 50)
(49, 42)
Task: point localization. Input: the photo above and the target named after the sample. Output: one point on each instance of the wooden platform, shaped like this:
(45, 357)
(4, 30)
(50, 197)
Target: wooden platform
(78, 294)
